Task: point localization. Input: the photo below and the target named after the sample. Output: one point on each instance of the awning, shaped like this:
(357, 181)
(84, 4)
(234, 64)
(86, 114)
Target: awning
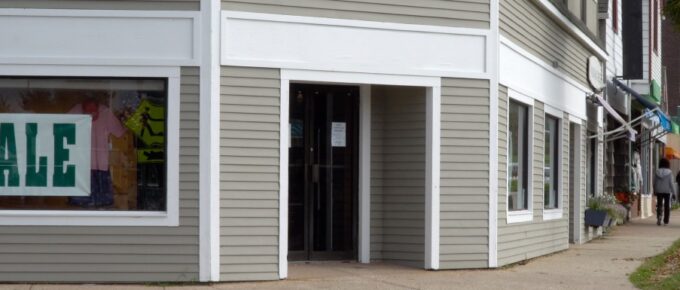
(625, 128)
(664, 120)
(671, 153)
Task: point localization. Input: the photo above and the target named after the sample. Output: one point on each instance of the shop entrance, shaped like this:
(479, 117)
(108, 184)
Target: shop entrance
(323, 166)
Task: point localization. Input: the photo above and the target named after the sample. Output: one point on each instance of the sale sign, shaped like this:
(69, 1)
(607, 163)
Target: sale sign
(45, 154)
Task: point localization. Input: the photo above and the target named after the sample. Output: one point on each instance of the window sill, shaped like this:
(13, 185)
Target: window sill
(87, 218)
(552, 214)
(520, 216)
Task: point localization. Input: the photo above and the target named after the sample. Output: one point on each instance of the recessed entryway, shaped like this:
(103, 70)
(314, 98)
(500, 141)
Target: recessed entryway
(359, 169)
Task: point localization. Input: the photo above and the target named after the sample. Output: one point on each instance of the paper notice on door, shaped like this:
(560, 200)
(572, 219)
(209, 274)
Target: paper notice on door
(339, 134)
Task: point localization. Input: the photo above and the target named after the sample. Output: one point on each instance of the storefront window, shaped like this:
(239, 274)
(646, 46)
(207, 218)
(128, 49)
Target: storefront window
(518, 149)
(551, 161)
(83, 144)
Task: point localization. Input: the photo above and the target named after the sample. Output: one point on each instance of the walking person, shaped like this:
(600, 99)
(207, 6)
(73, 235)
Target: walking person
(663, 188)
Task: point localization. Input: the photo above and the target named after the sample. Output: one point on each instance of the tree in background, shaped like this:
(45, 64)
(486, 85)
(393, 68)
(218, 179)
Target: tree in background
(672, 12)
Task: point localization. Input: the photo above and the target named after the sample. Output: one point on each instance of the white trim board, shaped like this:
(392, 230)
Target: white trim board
(326, 44)
(492, 68)
(572, 29)
(365, 174)
(432, 178)
(433, 85)
(57, 36)
(284, 141)
(209, 188)
(110, 218)
(523, 72)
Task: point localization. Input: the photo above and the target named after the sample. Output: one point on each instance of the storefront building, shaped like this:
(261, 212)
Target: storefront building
(99, 114)
(220, 141)
(637, 89)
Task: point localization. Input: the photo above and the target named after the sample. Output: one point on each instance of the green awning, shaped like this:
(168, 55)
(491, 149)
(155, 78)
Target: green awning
(654, 92)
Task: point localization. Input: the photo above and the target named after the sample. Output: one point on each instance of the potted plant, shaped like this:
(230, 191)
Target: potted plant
(601, 211)
(626, 198)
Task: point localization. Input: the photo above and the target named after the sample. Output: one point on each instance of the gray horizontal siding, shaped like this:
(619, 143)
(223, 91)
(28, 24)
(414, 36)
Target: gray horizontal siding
(522, 241)
(104, 4)
(458, 13)
(502, 155)
(117, 254)
(249, 173)
(526, 25)
(398, 203)
(464, 187)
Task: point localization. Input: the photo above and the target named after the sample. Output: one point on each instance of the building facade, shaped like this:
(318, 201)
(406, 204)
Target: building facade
(220, 140)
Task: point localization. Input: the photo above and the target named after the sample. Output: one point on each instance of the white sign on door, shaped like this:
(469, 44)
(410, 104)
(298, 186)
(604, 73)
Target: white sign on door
(339, 134)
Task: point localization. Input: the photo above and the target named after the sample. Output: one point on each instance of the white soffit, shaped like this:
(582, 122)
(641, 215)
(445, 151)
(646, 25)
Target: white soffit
(54, 36)
(295, 42)
(522, 72)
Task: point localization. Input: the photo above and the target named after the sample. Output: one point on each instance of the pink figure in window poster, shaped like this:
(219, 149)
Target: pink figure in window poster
(104, 124)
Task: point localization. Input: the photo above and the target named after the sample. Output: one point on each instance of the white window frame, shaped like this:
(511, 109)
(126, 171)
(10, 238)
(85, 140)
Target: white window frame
(170, 217)
(528, 214)
(556, 213)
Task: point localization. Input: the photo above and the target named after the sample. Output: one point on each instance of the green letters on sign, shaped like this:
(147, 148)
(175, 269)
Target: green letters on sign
(36, 174)
(8, 156)
(64, 176)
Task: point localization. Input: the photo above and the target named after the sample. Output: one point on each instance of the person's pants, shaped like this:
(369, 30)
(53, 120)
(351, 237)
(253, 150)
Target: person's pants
(101, 191)
(663, 200)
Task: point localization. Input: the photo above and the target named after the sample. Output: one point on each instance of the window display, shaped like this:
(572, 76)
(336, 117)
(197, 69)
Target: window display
(82, 144)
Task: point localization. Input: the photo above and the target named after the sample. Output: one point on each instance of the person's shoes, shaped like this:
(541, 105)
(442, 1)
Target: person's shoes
(658, 222)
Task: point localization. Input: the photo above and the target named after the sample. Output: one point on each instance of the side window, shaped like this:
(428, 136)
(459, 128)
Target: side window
(518, 155)
(551, 163)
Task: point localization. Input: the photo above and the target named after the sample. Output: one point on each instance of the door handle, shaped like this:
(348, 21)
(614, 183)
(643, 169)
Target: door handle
(315, 173)
(316, 186)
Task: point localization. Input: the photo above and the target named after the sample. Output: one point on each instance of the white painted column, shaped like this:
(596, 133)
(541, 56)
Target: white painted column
(209, 152)
(283, 177)
(577, 190)
(493, 69)
(365, 175)
(432, 178)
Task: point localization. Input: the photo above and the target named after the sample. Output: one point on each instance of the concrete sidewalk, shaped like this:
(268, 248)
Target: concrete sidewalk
(601, 264)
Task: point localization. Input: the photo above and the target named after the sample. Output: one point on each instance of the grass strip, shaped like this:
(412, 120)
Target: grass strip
(660, 272)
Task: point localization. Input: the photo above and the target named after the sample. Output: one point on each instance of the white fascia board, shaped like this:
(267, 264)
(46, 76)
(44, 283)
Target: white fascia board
(571, 28)
(326, 44)
(523, 72)
(55, 36)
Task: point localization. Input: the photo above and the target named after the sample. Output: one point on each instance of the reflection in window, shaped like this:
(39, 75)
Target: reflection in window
(518, 144)
(551, 161)
(125, 123)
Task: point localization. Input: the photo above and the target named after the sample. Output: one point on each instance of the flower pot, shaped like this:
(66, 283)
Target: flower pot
(596, 218)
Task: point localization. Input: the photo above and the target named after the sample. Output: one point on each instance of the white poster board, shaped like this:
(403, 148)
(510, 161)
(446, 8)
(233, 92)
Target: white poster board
(339, 134)
(45, 154)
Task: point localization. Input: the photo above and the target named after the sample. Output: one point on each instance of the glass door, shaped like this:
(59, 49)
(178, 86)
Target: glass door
(323, 172)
